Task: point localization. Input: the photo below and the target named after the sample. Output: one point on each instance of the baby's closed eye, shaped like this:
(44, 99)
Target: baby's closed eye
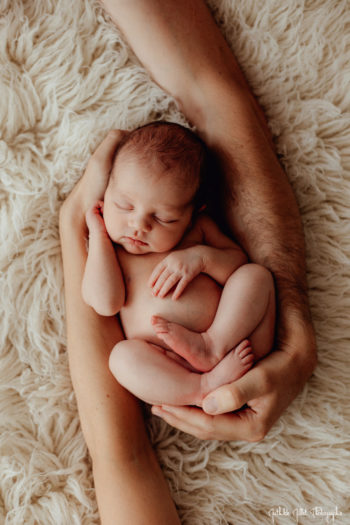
(165, 220)
(124, 206)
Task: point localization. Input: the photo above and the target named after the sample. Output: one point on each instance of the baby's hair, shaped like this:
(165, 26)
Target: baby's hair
(174, 146)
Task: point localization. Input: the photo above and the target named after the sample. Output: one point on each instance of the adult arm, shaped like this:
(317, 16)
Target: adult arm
(130, 486)
(188, 57)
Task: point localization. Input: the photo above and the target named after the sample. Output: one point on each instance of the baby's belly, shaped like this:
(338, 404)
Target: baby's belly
(195, 309)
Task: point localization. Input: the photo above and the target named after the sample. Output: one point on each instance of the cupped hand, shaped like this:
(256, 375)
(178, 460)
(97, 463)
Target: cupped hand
(264, 393)
(93, 183)
(177, 270)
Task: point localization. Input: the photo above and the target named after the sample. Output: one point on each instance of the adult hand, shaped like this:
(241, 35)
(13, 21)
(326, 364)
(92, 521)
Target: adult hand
(264, 393)
(92, 185)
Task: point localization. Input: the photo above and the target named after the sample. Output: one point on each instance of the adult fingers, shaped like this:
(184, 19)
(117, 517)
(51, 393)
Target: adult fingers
(188, 419)
(103, 155)
(242, 425)
(92, 184)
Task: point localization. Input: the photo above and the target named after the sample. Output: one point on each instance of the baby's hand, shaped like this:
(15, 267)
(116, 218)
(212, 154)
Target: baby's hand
(94, 218)
(178, 268)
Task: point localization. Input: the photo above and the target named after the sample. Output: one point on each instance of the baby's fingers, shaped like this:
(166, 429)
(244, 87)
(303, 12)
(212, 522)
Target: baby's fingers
(166, 284)
(158, 270)
(180, 287)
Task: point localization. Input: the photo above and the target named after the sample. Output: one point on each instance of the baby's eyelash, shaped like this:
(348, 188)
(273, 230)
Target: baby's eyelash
(124, 207)
(166, 221)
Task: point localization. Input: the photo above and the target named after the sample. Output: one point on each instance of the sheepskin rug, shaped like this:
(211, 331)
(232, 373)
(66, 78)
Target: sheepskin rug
(67, 77)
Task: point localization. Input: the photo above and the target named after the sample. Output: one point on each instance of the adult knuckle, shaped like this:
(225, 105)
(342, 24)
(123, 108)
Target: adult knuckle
(258, 432)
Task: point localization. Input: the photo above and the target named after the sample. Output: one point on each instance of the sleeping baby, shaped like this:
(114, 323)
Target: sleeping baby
(195, 314)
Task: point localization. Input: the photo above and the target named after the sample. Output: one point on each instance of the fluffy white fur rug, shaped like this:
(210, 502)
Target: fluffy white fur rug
(67, 77)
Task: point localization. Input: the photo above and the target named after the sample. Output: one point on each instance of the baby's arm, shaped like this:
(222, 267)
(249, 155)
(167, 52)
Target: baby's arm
(217, 255)
(103, 286)
(221, 256)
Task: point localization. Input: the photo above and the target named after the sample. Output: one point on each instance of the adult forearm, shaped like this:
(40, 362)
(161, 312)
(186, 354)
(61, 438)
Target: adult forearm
(128, 479)
(90, 339)
(188, 56)
(186, 48)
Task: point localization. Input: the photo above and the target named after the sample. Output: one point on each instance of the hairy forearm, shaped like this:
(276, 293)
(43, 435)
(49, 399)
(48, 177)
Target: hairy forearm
(262, 212)
(103, 286)
(189, 58)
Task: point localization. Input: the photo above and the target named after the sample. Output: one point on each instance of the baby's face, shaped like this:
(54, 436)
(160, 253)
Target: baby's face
(144, 209)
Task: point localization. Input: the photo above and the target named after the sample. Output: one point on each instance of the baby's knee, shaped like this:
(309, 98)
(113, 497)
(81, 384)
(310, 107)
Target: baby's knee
(260, 275)
(118, 358)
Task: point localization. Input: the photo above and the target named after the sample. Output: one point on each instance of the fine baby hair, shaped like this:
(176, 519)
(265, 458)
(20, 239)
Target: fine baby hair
(179, 150)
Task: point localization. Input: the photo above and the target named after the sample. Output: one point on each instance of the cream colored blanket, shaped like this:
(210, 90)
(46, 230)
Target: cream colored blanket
(66, 78)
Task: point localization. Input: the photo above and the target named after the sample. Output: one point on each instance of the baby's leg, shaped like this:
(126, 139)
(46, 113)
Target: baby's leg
(246, 310)
(146, 370)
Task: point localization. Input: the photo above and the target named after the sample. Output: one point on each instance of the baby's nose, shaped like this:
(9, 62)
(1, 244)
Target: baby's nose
(140, 223)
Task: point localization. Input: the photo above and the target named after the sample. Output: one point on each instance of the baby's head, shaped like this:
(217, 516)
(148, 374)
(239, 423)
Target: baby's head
(158, 181)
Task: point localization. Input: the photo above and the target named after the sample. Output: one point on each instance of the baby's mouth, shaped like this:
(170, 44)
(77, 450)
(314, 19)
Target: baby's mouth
(136, 242)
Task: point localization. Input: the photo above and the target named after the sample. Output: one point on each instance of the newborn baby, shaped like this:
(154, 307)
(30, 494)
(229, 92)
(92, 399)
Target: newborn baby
(194, 313)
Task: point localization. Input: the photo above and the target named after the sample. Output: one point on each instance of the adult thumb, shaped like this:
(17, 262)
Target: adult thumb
(232, 396)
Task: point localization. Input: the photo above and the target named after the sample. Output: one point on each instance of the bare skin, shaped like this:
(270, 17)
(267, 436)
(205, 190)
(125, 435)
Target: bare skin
(142, 365)
(144, 213)
(189, 57)
(111, 419)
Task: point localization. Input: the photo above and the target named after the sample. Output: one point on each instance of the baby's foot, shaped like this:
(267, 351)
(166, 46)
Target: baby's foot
(190, 345)
(233, 366)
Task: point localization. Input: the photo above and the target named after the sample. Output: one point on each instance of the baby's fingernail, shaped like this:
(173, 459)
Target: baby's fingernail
(210, 405)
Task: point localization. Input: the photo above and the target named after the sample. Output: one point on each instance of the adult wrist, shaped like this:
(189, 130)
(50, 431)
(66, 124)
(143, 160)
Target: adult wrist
(296, 336)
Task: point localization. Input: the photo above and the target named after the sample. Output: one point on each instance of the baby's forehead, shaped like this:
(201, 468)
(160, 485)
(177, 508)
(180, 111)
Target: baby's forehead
(162, 188)
(153, 169)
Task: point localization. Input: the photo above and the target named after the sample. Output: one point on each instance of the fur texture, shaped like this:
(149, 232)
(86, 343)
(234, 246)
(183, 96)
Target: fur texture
(66, 78)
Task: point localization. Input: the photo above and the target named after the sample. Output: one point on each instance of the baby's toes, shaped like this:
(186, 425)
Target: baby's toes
(160, 325)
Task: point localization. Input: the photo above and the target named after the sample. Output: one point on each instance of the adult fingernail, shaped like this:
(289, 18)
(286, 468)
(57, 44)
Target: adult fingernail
(210, 405)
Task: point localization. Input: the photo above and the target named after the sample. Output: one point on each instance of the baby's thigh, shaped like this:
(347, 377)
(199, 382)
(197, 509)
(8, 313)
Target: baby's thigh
(130, 362)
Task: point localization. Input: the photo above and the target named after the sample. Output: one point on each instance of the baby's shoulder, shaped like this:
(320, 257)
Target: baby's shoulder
(196, 234)
(203, 221)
